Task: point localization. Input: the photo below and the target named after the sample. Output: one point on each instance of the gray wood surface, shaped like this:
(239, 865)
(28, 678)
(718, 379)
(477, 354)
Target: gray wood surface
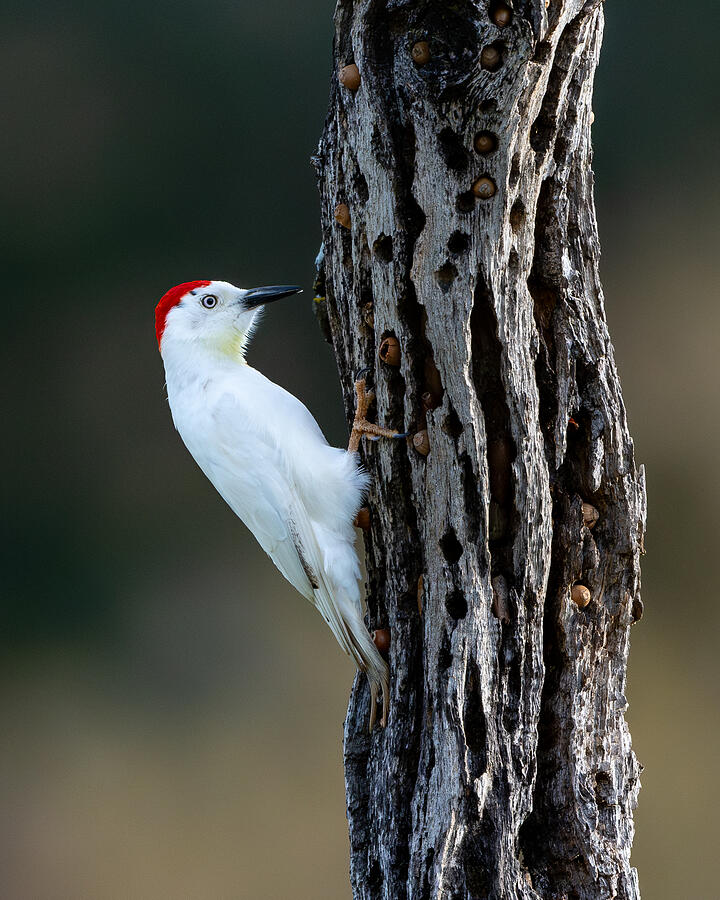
(506, 768)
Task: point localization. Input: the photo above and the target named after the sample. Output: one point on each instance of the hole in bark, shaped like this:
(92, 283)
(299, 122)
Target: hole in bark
(401, 861)
(383, 248)
(542, 52)
(361, 187)
(430, 375)
(375, 876)
(487, 365)
(430, 767)
(517, 215)
(452, 425)
(445, 276)
(456, 604)
(451, 547)
(429, 862)
(511, 710)
(366, 298)
(500, 458)
(410, 313)
(458, 242)
(474, 718)
(584, 434)
(465, 202)
(452, 150)
(413, 213)
(545, 299)
(445, 654)
(497, 530)
(604, 792)
(471, 496)
(544, 126)
(347, 247)
(514, 169)
(488, 106)
(513, 261)
(381, 147)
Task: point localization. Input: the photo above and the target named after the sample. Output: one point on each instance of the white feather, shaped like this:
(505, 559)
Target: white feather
(267, 457)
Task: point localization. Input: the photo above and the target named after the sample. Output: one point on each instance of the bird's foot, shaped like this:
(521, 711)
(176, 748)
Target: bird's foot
(361, 426)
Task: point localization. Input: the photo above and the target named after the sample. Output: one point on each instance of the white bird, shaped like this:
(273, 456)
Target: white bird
(267, 457)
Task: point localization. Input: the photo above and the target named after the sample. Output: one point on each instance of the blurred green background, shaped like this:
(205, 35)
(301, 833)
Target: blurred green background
(171, 709)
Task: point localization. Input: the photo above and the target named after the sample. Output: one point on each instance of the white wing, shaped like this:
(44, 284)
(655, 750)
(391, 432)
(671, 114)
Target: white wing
(252, 476)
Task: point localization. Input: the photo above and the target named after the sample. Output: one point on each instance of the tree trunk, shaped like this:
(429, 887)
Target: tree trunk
(463, 159)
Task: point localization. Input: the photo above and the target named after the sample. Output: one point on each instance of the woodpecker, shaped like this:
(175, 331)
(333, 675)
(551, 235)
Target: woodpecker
(268, 459)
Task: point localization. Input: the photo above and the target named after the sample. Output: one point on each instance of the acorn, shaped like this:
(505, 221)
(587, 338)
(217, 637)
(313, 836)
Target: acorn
(342, 215)
(484, 188)
(381, 639)
(420, 53)
(490, 58)
(421, 442)
(590, 515)
(362, 519)
(485, 142)
(349, 77)
(420, 587)
(390, 351)
(502, 16)
(580, 595)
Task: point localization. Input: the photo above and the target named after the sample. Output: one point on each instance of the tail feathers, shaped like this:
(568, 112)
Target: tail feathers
(352, 635)
(343, 616)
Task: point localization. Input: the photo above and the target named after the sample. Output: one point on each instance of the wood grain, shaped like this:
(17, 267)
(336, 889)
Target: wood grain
(506, 769)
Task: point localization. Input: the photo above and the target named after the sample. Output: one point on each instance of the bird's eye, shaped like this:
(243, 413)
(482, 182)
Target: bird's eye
(209, 300)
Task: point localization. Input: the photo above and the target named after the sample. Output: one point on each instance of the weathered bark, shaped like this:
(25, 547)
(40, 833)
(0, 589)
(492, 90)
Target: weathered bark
(506, 768)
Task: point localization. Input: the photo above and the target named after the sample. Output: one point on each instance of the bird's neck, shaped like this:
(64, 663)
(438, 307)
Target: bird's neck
(189, 361)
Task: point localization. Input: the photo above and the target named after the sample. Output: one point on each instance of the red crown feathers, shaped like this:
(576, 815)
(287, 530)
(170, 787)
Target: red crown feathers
(172, 298)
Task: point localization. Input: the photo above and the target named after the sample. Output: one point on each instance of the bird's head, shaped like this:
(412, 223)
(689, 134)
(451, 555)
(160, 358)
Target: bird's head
(214, 314)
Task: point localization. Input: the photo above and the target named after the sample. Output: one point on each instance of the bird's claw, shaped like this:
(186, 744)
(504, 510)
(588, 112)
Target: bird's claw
(362, 374)
(361, 426)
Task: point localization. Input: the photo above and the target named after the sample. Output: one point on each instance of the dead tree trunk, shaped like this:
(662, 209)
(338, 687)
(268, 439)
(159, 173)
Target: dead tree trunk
(460, 152)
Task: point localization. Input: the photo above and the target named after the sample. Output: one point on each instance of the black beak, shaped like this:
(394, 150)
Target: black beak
(259, 296)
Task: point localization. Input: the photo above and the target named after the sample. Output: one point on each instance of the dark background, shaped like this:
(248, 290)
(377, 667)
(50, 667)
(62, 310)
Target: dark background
(171, 709)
